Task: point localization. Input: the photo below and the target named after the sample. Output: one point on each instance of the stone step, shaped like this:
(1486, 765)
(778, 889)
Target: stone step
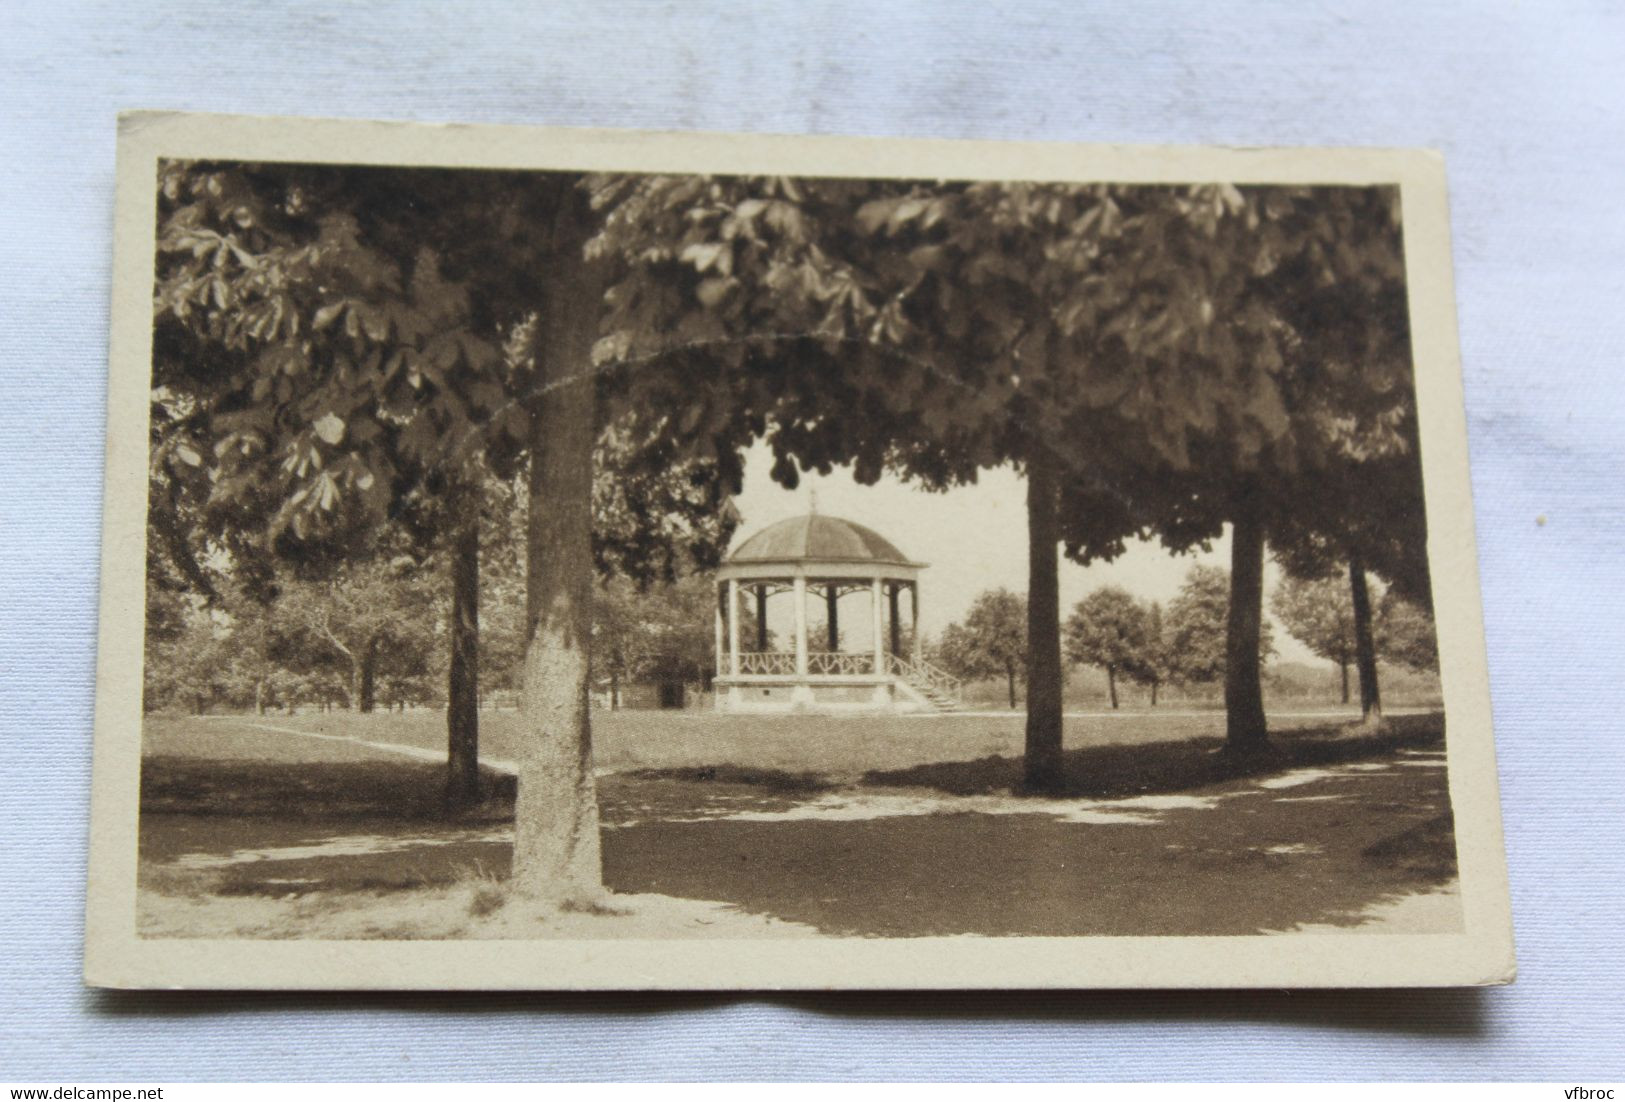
(940, 701)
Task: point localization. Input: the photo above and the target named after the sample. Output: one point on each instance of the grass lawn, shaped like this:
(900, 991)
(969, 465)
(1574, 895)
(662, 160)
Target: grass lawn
(840, 746)
(776, 826)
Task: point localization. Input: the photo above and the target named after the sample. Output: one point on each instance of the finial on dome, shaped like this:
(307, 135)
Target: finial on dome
(812, 500)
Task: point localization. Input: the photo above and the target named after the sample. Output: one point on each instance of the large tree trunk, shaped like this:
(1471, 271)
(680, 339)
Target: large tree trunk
(556, 847)
(1365, 646)
(1343, 669)
(1111, 685)
(367, 692)
(463, 675)
(1043, 750)
(1243, 672)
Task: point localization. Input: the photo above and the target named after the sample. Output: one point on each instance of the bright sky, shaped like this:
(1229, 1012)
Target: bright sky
(974, 538)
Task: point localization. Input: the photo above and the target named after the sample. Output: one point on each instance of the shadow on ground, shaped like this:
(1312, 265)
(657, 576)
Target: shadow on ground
(1179, 765)
(1420, 1013)
(1255, 860)
(328, 790)
(1153, 839)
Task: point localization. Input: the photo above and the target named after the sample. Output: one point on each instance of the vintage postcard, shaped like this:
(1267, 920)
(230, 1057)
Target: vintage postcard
(580, 559)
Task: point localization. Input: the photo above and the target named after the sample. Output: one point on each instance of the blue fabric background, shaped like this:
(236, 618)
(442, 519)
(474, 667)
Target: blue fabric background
(1528, 104)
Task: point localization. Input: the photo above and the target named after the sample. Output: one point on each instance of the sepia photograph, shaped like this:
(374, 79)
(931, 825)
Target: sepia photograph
(576, 559)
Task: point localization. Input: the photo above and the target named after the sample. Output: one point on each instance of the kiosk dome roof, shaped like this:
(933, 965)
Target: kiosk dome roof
(818, 538)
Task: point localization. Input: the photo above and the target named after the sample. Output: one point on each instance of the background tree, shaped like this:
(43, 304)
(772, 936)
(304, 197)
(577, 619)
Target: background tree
(366, 621)
(680, 644)
(252, 673)
(502, 612)
(660, 633)
(174, 606)
(952, 650)
(617, 642)
(1108, 629)
(991, 642)
(1319, 613)
(184, 667)
(1152, 666)
(1405, 632)
(1198, 626)
(373, 619)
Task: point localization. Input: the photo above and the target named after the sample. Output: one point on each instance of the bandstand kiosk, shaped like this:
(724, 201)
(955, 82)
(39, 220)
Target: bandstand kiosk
(826, 559)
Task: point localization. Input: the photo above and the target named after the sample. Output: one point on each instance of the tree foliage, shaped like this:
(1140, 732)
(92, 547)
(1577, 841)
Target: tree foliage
(327, 338)
(1154, 668)
(339, 348)
(1405, 633)
(1319, 613)
(377, 624)
(1281, 371)
(661, 633)
(1184, 357)
(1108, 629)
(990, 642)
(336, 345)
(1196, 626)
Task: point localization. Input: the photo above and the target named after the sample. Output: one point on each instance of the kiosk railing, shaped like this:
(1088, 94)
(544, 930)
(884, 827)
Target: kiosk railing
(767, 662)
(924, 675)
(839, 662)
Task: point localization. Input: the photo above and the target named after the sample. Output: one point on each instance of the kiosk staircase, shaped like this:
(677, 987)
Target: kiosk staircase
(933, 686)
